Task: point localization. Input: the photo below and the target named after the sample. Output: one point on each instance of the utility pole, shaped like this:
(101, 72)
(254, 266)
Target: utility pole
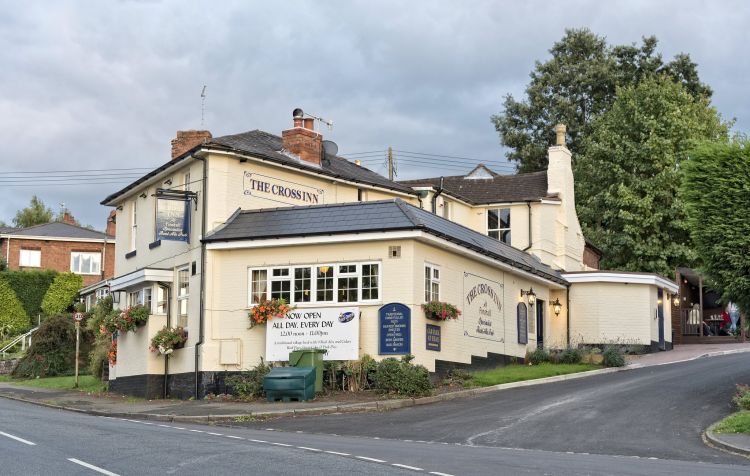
(390, 163)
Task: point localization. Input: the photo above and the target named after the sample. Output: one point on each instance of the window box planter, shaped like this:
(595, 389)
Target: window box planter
(440, 311)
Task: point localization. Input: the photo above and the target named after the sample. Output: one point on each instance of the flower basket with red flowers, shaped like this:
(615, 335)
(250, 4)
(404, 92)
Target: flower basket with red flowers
(168, 339)
(267, 310)
(133, 317)
(112, 353)
(440, 311)
(111, 322)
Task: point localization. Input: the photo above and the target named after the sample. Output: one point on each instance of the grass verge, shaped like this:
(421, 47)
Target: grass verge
(736, 423)
(86, 383)
(517, 373)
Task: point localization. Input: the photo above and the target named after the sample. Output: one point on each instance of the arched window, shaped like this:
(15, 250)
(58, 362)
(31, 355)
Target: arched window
(522, 323)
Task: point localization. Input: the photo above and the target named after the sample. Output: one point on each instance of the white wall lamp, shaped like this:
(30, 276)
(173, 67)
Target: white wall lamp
(557, 306)
(530, 296)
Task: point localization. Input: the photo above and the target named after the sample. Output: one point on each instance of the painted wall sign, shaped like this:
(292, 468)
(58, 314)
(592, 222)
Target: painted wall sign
(282, 191)
(394, 324)
(172, 219)
(335, 329)
(433, 337)
(483, 310)
(522, 323)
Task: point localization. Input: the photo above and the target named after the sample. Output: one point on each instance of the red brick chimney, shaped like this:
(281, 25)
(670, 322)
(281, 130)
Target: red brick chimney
(186, 140)
(68, 218)
(111, 223)
(302, 140)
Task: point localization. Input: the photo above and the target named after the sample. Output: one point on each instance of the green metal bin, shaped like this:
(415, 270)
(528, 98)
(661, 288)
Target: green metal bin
(309, 358)
(290, 383)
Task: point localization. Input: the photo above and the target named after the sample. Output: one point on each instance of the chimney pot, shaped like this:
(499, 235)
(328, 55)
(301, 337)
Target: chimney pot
(310, 123)
(560, 131)
(358, 163)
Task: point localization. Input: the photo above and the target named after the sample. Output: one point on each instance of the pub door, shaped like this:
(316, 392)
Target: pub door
(540, 324)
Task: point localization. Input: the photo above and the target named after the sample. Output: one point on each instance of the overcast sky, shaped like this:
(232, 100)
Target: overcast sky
(105, 85)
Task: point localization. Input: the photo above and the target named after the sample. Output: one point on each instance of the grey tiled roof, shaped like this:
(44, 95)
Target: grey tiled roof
(61, 230)
(6, 229)
(268, 146)
(498, 189)
(364, 217)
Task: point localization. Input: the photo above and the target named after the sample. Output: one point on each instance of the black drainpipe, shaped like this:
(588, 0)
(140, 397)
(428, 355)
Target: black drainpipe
(567, 315)
(528, 204)
(168, 301)
(204, 199)
(436, 195)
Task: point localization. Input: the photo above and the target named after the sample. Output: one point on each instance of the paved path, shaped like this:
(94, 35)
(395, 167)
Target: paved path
(37, 440)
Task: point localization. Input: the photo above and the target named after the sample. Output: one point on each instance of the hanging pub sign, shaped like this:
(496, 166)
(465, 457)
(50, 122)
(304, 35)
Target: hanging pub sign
(172, 219)
(483, 312)
(334, 329)
(394, 324)
(433, 337)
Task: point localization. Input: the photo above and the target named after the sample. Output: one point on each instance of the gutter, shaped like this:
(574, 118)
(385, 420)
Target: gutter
(201, 318)
(436, 195)
(528, 204)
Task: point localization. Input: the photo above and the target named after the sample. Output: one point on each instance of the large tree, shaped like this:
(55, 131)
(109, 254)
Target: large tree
(716, 192)
(629, 173)
(575, 86)
(36, 213)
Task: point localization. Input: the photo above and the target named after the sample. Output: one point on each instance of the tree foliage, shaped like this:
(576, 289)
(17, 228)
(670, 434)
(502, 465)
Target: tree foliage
(30, 288)
(716, 192)
(36, 213)
(62, 293)
(13, 318)
(578, 84)
(628, 177)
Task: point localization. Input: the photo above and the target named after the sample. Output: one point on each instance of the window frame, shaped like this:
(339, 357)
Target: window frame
(500, 230)
(37, 252)
(133, 224)
(93, 254)
(183, 297)
(428, 282)
(314, 268)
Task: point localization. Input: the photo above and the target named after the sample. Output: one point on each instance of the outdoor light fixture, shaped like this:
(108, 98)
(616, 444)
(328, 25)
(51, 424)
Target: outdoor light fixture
(530, 295)
(676, 300)
(143, 195)
(168, 181)
(557, 306)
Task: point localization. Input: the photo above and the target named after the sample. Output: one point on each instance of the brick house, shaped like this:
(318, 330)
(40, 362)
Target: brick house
(61, 246)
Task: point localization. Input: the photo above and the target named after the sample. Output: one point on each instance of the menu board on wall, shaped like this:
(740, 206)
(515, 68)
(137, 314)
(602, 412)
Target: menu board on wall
(394, 324)
(483, 310)
(335, 329)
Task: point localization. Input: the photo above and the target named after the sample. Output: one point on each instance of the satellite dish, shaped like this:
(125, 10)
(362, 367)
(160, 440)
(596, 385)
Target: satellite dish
(330, 148)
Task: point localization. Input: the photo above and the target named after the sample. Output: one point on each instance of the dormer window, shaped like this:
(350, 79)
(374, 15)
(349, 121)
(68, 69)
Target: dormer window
(498, 224)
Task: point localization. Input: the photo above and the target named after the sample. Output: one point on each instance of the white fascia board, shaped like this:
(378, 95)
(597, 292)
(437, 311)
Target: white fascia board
(156, 178)
(379, 236)
(312, 240)
(308, 172)
(625, 278)
(141, 276)
(57, 238)
(93, 287)
(551, 202)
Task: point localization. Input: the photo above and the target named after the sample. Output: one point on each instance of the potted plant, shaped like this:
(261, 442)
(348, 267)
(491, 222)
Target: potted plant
(168, 339)
(267, 310)
(440, 311)
(133, 317)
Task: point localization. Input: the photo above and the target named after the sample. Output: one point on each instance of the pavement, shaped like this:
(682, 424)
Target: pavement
(212, 411)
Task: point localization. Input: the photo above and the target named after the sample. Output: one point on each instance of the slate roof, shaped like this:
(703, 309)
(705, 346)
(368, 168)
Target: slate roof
(268, 146)
(6, 229)
(497, 189)
(60, 230)
(371, 217)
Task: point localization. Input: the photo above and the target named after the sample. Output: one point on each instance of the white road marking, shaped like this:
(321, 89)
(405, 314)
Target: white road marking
(235, 437)
(258, 441)
(215, 434)
(337, 453)
(374, 460)
(146, 423)
(133, 421)
(91, 466)
(197, 431)
(177, 428)
(165, 426)
(280, 444)
(27, 442)
(413, 468)
(437, 473)
(308, 449)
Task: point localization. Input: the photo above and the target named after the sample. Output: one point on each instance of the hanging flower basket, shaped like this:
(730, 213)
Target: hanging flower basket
(440, 311)
(268, 309)
(112, 353)
(168, 340)
(133, 318)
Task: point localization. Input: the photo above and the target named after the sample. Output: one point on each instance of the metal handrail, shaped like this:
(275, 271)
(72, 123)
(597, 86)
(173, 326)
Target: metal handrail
(18, 339)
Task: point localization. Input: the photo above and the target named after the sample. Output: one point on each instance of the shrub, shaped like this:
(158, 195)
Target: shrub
(53, 348)
(402, 377)
(538, 356)
(248, 384)
(30, 288)
(742, 397)
(612, 357)
(571, 356)
(62, 293)
(102, 340)
(132, 317)
(13, 318)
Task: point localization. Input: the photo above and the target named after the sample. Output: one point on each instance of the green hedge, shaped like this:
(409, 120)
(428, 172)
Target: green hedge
(13, 318)
(62, 293)
(30, 288)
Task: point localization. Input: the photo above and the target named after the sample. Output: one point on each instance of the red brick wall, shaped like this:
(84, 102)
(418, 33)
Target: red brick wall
(56, 255)
(590, 258)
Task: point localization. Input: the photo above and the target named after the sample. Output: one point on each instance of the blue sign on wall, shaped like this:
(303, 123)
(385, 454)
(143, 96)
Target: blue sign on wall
(433, 337)
(172, 219)
(394, 323)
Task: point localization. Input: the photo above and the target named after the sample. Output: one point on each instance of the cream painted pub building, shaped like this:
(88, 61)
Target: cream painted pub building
(239, 218)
